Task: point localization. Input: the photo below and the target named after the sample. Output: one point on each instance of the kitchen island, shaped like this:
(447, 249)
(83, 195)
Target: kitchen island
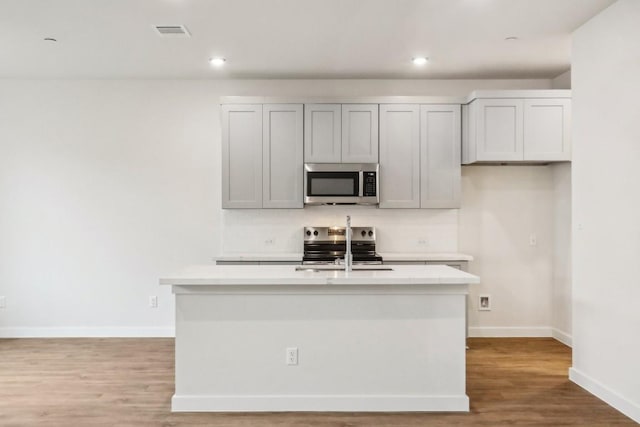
(271, 338)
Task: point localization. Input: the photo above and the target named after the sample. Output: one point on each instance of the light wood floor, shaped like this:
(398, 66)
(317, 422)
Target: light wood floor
(129, 382)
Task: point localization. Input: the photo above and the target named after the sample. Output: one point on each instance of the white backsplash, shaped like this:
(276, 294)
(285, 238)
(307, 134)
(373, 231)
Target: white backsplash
(280, 230)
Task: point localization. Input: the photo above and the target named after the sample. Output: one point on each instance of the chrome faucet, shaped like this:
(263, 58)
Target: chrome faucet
(348, 257)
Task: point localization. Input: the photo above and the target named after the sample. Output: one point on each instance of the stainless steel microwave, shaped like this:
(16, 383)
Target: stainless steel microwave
(341, 184)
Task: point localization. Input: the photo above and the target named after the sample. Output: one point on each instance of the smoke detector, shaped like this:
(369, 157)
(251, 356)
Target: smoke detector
(172, 31)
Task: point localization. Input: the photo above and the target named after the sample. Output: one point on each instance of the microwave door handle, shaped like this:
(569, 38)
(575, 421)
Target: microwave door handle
(360, 186)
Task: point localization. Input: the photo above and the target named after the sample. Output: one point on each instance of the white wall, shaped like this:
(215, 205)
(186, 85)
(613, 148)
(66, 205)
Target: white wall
(561, 293)
(606, 206)
(562, 81)
(397, 230)
(561, 290)
(106, 185)
(103, 185)
(502, 206)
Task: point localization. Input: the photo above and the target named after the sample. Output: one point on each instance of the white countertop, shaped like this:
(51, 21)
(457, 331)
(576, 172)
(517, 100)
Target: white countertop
(424, 256)
(207, 275)
(386, 256)
(290, 256)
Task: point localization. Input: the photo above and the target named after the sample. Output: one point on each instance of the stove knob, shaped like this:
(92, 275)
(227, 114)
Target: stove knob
(308, 233)
(315, 232)
(370, 233)
(364, 233)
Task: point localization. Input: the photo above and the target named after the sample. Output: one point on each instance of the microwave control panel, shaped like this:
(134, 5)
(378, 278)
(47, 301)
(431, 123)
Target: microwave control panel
(369, 188)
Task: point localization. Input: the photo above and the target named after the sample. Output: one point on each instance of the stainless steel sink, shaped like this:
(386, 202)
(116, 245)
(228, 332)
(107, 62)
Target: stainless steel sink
(316, 268)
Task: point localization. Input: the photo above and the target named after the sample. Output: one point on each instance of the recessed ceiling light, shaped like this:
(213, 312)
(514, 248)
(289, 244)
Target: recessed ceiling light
(217, 62)
(511, 38)
(50, 39)
(419, 60)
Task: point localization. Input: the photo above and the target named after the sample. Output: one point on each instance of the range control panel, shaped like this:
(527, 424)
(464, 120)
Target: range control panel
(339, 234)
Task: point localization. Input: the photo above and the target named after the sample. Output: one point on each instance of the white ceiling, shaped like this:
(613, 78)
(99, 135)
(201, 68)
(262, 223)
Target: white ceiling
(290, 38)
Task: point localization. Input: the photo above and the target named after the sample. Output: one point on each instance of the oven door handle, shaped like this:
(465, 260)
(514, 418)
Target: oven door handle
(360, 183)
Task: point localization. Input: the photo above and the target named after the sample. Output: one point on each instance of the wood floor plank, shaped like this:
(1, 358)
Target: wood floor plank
(129, 382)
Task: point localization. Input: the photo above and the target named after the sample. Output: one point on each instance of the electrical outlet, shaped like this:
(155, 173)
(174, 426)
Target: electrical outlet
(270, 242)
(153, 301)
(533, 239)
(3, 302)
(422, 241)
(292, 356)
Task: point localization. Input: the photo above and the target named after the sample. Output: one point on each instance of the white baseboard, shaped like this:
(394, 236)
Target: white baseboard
(126, 332)
(520, 332)
(87, 332)
(320, 403)
(510, 331)
(563, 337)
(602, 392)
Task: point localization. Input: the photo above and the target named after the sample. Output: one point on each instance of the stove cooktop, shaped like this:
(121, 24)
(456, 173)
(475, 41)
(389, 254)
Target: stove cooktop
(326, 245)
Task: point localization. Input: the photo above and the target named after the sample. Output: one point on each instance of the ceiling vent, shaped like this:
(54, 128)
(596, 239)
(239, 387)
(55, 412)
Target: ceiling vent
(172, 31)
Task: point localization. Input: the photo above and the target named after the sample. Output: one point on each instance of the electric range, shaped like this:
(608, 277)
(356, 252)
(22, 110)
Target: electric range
(327, 245)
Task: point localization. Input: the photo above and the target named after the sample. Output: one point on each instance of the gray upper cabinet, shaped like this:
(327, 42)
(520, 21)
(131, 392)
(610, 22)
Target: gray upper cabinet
(282, 162)
(499, 129)
(420, 156)
(262, 149)
(359, 133)
(242, 156)
(547, 130)
(518, 126)
(440, 172)
(322, 133)
(399, 156)
(341, 133)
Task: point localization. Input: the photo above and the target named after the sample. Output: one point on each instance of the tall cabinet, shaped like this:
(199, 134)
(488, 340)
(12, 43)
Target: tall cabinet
(420, 156)
(282, 160)
(440, 171)
(399, 156)
(242, 156)
(262, 156)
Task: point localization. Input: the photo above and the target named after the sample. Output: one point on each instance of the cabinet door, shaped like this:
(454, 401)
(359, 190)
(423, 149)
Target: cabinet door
(399, 156)
(282, 161)
(322, 133)
(547, 129)
(440, 142)
(242, 156)
(499, 129)
(359, 133)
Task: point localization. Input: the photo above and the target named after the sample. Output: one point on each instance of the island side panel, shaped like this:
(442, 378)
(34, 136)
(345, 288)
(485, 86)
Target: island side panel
(357, 351)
